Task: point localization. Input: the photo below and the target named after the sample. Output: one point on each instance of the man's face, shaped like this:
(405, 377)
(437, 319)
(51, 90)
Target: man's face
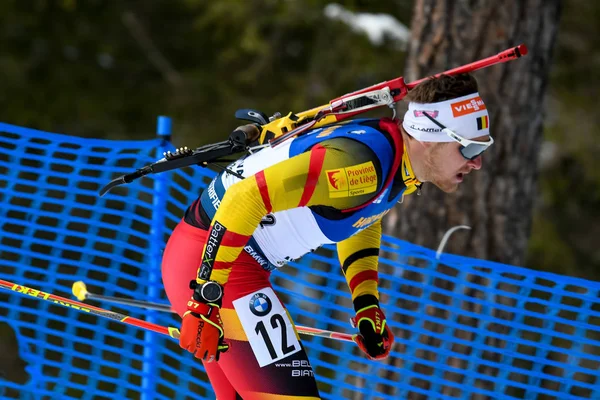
(446, 167)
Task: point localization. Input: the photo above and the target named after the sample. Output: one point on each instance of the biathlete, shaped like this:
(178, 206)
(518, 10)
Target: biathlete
(331, 185)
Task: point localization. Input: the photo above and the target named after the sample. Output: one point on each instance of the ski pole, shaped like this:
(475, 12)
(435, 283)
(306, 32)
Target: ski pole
(80, 291)
(62, 301)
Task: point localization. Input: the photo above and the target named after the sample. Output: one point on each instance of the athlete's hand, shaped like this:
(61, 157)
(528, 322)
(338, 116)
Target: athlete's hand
(375, 338)
(202, 330)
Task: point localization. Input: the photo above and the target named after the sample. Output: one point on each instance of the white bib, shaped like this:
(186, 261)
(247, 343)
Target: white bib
(266, 323)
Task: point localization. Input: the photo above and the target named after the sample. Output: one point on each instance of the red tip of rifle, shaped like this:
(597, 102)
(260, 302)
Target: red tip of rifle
(521, 50)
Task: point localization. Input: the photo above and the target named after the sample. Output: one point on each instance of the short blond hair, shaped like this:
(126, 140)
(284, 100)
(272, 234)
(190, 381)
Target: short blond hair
(444, 87)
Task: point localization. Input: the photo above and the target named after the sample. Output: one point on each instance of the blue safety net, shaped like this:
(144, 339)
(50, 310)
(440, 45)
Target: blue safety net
(465, 328)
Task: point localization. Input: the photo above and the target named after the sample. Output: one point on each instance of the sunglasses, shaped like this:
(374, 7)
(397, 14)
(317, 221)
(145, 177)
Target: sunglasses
(469, 149)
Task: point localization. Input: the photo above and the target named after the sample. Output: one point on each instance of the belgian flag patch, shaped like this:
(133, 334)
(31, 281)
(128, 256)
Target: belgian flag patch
(482, 123)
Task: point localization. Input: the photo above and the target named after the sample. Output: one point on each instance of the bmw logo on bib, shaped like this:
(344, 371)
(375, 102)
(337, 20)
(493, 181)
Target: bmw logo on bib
(260, 304)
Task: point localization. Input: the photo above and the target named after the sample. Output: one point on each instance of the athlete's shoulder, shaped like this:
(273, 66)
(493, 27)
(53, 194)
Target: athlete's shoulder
(358, 129)
(371, 128)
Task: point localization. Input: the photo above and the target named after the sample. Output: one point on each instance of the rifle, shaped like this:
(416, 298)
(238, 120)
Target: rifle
(277, 129)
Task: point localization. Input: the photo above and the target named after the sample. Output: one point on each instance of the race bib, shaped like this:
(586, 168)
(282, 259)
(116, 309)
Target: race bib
(267, 326)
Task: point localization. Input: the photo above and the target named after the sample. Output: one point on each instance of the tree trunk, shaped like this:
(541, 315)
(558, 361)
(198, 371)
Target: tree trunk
(496, 201)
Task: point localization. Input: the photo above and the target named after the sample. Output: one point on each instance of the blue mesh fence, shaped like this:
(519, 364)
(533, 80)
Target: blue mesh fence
(465, 328)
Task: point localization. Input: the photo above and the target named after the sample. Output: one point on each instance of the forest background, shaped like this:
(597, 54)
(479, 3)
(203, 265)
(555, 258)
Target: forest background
(107, 69)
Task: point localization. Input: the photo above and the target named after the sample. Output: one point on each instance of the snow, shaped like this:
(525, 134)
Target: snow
(375, 26)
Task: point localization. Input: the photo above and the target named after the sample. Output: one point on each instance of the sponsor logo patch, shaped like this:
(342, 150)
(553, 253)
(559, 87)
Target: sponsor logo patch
(260, 304)
(256, 256)
(336, 179)
(352, 181)
(421, 113)
(364, 222)
(468, 106)
(213, 196)
(422, 129)
(215, 236)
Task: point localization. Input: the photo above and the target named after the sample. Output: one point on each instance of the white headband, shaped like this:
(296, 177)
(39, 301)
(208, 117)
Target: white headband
(467, 116)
